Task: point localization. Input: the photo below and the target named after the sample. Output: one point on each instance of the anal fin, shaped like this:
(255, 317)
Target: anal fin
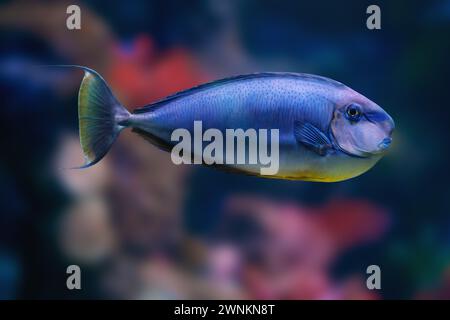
(158, 142)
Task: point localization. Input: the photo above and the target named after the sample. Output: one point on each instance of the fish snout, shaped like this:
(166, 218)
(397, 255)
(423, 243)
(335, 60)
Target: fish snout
(389, 126)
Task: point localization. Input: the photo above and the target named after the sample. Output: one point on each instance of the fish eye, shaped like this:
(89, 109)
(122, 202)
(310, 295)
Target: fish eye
(353, 112)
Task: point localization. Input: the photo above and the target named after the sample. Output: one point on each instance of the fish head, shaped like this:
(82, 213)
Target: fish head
(360, 127)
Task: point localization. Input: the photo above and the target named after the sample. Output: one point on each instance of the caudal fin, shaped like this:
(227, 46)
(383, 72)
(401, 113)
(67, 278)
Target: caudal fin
(101, 117)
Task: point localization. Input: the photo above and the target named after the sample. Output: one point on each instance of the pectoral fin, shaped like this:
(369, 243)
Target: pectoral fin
(312, 137)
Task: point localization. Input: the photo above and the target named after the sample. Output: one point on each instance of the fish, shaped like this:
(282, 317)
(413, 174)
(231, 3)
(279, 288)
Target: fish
(327, 131)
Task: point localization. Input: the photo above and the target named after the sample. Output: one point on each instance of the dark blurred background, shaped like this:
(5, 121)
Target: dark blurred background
(142, 228)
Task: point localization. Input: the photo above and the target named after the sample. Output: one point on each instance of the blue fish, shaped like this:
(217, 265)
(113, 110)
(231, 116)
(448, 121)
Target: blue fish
(327, 131)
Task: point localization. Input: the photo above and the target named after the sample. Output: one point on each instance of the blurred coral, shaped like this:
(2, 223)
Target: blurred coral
(299, 244)
(48, 20)
(86, 234)
(143, 74)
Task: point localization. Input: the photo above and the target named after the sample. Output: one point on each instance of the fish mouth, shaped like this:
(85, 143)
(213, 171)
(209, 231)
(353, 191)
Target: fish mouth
(381, 148)
(384, 144)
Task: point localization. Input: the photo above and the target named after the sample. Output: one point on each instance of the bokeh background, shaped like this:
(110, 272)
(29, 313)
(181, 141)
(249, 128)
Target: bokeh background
(142, 228)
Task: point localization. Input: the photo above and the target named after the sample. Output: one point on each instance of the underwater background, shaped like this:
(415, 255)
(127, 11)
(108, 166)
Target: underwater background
(141, 227)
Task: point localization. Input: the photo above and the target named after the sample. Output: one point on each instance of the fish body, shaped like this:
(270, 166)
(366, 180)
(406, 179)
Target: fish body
(318, 139)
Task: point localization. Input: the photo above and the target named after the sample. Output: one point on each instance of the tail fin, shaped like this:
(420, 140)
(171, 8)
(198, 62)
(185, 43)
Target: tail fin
(101, 117)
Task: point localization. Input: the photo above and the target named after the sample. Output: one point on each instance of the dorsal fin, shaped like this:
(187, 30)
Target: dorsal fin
(224, 81)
